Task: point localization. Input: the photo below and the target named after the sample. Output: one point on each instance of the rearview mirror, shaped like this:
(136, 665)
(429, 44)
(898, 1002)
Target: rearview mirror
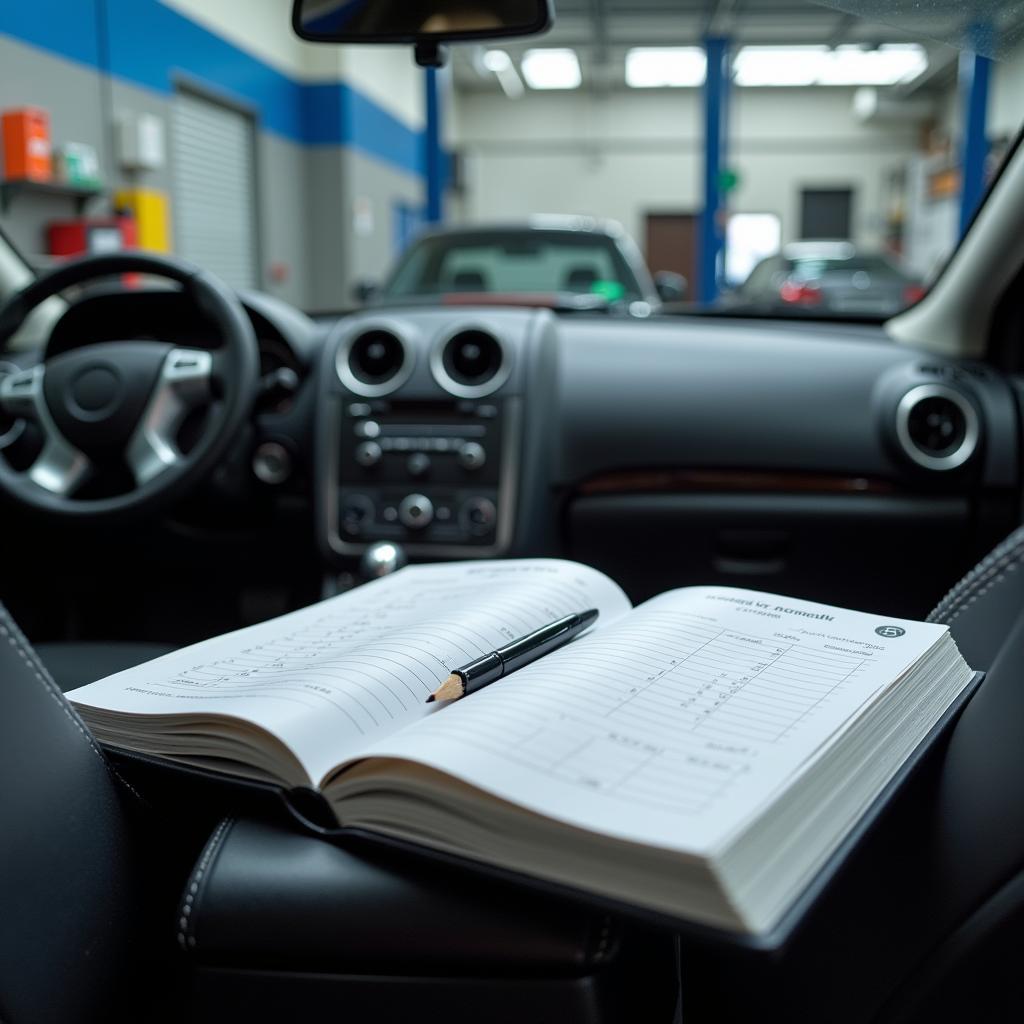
(424, 21)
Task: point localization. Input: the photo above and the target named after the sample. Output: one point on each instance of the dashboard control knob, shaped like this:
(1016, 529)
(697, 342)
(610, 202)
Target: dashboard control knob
(271, 463)
(367, 428)
(368, 454)
(382, 559)
(356, 511)
(472, 455)
(418, 464)
(416, 511)
(477, 516)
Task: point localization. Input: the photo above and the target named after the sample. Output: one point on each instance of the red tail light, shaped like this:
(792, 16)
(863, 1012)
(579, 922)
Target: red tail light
(913, 293)
(800, 294)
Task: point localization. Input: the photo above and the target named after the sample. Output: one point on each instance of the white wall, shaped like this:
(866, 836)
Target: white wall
(1006, 98)
(624, 154)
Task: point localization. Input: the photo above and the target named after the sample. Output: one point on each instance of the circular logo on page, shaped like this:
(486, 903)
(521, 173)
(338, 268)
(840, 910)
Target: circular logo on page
(890, 632)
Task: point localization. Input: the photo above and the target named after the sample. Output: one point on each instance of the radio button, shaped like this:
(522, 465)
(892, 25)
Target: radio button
(356, 511)
(368, 454)
(477, 516)
(416, 511)
(418, 464)
(472, 455)
(367, 428)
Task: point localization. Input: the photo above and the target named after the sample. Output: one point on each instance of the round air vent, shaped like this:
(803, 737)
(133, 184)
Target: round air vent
(374, 362)
(470, 363)
(937, 426)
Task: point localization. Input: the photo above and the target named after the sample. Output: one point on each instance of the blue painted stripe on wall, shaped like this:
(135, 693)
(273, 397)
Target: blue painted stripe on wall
(70, 31)
(149, 44)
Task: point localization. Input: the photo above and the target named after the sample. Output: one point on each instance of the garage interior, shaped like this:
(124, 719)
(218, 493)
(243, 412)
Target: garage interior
(304, 171)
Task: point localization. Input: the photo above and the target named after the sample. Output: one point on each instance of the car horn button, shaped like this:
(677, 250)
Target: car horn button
(95, 392)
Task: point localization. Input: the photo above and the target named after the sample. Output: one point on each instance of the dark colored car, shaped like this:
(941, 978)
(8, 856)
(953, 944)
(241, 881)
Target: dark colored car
(826, 277)
(563, 262)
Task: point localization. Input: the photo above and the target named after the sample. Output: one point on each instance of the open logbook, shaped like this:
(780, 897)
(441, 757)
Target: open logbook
(700, 755)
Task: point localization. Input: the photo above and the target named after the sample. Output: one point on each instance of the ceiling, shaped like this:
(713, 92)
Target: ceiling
(601, 31)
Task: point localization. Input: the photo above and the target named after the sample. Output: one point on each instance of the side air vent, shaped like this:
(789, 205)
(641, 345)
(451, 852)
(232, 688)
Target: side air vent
(374, 362)
(937, 427)
(470, 363)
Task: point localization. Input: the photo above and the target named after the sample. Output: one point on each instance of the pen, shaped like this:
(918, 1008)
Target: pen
(477, 674)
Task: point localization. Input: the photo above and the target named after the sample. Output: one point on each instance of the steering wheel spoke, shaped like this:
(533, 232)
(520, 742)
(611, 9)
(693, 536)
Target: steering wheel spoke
(21, 393)
(60, 467)
(183, 385)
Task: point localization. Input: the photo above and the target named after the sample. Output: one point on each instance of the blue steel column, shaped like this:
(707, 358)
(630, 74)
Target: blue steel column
(973, 74)
(434, 160)
(712, 228)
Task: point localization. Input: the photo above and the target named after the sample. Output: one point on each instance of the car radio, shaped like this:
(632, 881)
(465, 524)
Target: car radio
(421, 472)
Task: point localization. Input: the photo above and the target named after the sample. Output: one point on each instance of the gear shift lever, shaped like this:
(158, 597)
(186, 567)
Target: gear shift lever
(382, 559)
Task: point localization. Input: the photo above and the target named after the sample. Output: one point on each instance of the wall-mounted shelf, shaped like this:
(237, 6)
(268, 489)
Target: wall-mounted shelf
(77, 194)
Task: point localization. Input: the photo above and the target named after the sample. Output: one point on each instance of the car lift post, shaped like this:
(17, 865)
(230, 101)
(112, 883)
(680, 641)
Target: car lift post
(434, 157)
(712, 221)
(973, 73)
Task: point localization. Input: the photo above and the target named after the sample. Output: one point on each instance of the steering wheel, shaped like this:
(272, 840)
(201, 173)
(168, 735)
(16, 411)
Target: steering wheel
(124, 402)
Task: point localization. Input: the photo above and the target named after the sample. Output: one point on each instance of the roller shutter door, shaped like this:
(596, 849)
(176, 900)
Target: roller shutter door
(215, 189)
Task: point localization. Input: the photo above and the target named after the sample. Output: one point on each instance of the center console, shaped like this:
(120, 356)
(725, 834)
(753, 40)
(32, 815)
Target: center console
(420, 434)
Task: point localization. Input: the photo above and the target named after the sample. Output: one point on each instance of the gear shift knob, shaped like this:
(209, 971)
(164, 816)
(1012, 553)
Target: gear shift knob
(382, 559)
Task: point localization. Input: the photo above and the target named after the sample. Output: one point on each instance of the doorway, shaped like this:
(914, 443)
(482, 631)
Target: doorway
(672, 245)
(826, 213)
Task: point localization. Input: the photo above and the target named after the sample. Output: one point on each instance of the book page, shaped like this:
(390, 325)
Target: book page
(674, 726)
(331, 678)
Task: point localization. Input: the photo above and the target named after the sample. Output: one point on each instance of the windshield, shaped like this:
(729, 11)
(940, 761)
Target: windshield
(762, 159)
(515, 262)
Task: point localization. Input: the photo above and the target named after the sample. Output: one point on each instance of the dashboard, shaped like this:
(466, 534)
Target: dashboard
(801, 459)
(809, 459)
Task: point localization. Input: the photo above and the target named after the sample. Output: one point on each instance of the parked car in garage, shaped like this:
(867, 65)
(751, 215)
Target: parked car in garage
(559, 262)
(825, 278)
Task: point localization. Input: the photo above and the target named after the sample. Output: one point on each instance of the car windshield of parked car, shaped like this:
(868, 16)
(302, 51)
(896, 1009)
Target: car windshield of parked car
(519, 262)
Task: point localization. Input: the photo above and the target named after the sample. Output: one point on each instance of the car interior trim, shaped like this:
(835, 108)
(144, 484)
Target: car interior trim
(745, 481)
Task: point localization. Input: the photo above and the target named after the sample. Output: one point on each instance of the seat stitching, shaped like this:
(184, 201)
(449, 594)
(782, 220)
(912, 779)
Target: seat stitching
(1010, 550)
(15, 638)
(978, 578)
(187, 922)
(982, 570)
(1012, 567)
(602, 944)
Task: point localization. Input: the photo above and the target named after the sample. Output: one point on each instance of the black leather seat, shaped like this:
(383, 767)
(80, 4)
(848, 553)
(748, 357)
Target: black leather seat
(74, 885)
(75, 664)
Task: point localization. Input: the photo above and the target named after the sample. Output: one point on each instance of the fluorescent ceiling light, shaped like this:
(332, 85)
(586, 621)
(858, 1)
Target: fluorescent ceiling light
(778, 65)
(819, 65)
(551, 69)
(888, 65)
(658, 67)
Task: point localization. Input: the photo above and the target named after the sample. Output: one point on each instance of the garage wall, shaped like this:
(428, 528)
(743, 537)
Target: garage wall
(626, 153)
(1006, 100)
(350, 119)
